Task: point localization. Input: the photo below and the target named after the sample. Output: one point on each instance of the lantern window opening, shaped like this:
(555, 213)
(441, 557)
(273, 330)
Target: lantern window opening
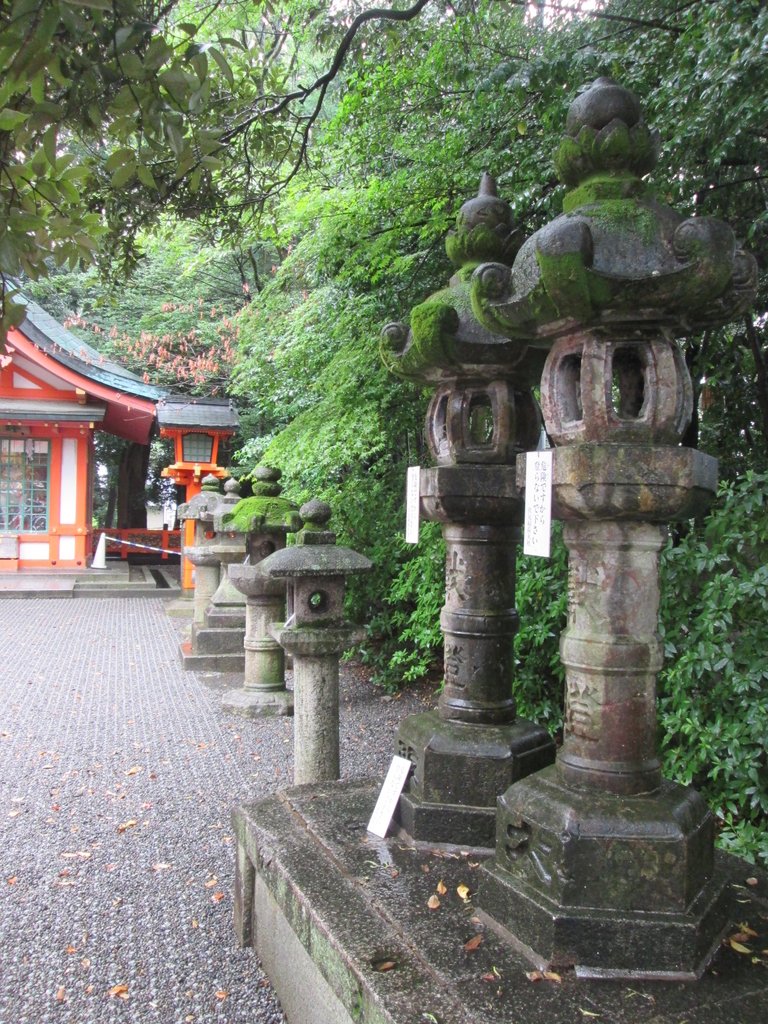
(628, 382)
(480, 423)
(197, 447)
(317, 601)
(570, 388)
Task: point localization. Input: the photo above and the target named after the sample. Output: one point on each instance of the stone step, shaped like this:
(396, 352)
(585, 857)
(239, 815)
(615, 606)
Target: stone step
(217, 641)
(191, 662)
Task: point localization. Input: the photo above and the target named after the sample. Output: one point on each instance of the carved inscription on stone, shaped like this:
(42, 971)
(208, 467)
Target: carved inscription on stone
(454, 660)
(456, 579)
(582, 711)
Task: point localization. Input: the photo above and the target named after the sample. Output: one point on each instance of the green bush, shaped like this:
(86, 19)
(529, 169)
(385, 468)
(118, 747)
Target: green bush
(713, 689)
(542, 603)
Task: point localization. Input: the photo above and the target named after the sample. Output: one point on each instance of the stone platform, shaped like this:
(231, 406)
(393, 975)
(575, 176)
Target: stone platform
(342, 923)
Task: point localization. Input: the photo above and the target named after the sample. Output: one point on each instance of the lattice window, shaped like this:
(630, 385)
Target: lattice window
(24, 472)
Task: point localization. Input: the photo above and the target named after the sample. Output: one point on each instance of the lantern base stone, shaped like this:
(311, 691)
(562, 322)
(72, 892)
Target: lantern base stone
(459, 770)
(611, 886)
(258, 703)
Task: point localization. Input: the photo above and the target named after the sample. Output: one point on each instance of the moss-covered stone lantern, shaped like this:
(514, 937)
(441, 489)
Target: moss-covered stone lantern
(483, 413)
(266, 519)
(601, 864)
(216, 642)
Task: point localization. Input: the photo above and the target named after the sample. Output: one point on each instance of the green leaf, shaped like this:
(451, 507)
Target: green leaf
(223, 64)
(10, 119)
(145, 176)
(124, 174)
(49, 144)
(120, 157)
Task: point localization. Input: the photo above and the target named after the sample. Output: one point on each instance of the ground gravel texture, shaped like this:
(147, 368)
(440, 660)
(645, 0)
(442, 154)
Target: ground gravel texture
(118, 772)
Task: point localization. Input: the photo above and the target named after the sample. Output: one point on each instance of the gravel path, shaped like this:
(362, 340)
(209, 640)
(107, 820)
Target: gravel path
(117, 775)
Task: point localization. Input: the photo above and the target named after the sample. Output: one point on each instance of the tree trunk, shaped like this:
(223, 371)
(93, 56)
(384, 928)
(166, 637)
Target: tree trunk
(131, 487)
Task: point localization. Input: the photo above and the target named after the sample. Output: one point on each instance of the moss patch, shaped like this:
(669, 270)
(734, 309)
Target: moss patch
(267, 511)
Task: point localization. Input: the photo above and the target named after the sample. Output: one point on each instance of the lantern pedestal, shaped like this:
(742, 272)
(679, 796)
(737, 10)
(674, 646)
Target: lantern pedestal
(473, 747)
(611, 887)
(263, 693)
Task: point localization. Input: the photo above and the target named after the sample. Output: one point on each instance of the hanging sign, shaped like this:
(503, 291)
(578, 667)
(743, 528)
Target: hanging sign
(412, 504)
(538, 503)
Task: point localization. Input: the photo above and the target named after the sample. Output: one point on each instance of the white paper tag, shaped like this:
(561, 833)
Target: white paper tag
(412, 504)
(390, 792)
(538, 503)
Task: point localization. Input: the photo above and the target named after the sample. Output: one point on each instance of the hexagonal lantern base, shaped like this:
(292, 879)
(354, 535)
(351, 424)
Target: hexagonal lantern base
(613, 886)
(459, 770)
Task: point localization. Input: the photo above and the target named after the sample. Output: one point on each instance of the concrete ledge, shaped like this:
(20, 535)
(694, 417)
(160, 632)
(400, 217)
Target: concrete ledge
(341, 922)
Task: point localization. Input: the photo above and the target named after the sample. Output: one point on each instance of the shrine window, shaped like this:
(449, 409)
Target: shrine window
(24, 472)
(197, 447)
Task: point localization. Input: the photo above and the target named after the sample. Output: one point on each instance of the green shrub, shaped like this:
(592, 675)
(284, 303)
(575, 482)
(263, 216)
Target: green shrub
(542, 603)
(713, 689)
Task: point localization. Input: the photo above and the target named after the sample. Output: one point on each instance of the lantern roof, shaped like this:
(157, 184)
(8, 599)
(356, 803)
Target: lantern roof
(190, 412)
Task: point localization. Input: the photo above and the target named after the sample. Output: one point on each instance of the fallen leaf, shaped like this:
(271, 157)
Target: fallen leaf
(211, 882)
(588, 1013)
(88, 989)
(127, 824)
(464, 892)
(217, 897)
(195, 923)
(543, 976)
(221, 994)
(744, 935)
(12, 880)
(14, 814)
(738, 946)
(488, 977)
(433, 902)
(161, 866)
(118, 992)
(71, 949)
(385, 965)
(441, 888)
(471, 944)
(61, 994)
(751, 880)
(135, 770)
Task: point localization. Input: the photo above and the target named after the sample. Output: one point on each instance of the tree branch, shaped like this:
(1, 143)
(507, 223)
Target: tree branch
(321, 84)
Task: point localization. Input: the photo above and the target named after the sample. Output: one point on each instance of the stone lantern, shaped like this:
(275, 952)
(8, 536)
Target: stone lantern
(266, 518)
(316, 634)
(216, 642)
(600, 863)
(481, 416)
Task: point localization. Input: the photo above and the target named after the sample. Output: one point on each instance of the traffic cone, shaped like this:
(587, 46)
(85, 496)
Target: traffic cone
(99, 558)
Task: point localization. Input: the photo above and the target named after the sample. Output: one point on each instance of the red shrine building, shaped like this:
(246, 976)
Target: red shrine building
(55, 392)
